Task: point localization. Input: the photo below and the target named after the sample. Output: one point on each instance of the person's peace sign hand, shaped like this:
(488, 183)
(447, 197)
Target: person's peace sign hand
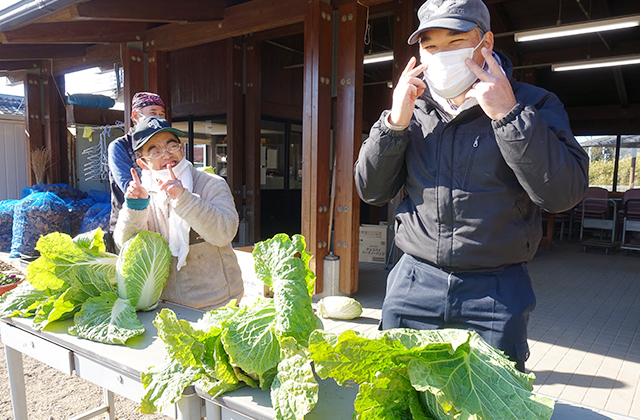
(407, 90)
(493, 91)
(135, 188)
(173, 186)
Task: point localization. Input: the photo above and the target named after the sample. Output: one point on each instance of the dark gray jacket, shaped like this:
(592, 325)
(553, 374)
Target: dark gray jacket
(474, 187)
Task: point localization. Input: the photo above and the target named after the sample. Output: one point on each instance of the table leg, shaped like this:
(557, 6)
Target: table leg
(16, 383)
(109, 401)
(189, 407)
(214, 411)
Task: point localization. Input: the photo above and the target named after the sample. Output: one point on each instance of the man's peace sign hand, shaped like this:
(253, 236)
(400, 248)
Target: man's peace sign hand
(173, 186)
(407, 90)
(493, 91)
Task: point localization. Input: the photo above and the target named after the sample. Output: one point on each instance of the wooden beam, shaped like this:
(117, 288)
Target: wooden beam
(75, 33)
(351, 30)
(40, 51)
(245, 18)
(365, 3)
(318, 40)
(133, 79)
(280, 32)
(235, 126)
(96, 56)
(21, 65)
(149, 10)
(253, 112)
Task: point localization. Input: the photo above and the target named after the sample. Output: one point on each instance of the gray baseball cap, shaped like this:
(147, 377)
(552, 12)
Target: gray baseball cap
(456, 15)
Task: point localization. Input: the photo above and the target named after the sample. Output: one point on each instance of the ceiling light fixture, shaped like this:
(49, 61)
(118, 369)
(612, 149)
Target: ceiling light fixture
(577, 29)
(378, 57)
(622, 60)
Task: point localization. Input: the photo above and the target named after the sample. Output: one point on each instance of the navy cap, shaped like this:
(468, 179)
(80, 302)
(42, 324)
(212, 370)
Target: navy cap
(455, 15)
(149, 127)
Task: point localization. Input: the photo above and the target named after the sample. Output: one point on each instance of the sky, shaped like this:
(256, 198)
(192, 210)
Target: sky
(7, 3)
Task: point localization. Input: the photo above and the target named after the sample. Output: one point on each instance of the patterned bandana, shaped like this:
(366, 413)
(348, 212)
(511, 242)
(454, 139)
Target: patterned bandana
(143, 99)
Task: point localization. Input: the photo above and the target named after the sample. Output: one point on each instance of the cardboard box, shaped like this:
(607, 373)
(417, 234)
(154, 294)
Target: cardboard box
(373, 243)
(253, 286)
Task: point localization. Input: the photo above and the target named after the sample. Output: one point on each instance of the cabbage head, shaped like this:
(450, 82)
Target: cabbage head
(143, 268)
(339, 307)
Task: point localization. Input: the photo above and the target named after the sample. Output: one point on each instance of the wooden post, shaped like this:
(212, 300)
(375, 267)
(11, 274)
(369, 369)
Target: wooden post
(351, 30)
(252, 145)
(235, 126)
(33, 118)
(133, 79)
(318, 38)
(54, 116)
(404, 25)
(158, 78)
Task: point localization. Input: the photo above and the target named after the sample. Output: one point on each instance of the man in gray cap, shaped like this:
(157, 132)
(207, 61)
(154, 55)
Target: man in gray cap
(477, 155)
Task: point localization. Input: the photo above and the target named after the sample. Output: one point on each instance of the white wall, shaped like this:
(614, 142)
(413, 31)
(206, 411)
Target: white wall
(13, 157)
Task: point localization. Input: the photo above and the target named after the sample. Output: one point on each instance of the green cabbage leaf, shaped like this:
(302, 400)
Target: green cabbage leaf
(76, 278)
(458, 375)
(261, 345)
(107, 319)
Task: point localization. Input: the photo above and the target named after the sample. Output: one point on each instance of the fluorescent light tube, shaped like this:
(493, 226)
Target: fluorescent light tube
(378, 57)
(622, 60)
(578, 29)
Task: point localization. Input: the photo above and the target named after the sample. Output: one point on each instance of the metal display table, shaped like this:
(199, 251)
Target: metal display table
(336, 403)
(115, 368)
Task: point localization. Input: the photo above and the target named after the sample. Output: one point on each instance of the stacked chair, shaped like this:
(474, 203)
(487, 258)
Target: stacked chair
(630, 215)
(597, 212)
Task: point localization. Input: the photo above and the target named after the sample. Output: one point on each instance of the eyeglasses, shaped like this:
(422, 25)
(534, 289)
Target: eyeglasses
(159, 153)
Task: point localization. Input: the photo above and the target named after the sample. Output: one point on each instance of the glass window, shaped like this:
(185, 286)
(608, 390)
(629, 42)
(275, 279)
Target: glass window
(272, 155)
(295, 157)
(601, 151)
(604, 170)
(210, 143)
(628, 170)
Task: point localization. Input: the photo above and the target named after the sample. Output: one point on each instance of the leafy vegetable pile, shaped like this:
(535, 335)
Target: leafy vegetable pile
(402, 374)
(262, 345)
(101, 291)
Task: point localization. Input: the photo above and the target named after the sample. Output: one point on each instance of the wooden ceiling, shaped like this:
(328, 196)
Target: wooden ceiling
(70, 35)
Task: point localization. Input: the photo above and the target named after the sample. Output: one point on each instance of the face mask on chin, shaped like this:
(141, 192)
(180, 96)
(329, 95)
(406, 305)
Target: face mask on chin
(163, 174)
(447, 74)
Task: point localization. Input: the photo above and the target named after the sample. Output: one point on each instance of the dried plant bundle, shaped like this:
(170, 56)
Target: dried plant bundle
(40, 162)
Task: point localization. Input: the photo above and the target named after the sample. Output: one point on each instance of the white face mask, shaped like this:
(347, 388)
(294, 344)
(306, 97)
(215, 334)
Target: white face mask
(447, 74)
(163, 174)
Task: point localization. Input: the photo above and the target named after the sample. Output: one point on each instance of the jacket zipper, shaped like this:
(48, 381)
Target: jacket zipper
(467, 174)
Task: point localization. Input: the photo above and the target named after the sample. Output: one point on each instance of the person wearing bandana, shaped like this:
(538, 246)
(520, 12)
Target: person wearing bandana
(194, 212)
(477, 154)
(121, 157)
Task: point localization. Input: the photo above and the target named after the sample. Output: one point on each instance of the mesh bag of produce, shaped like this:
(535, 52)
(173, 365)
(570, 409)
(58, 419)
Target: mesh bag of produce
(77, 209)
(38, 214)
(61, 190)
(6, 224)
(98, 216)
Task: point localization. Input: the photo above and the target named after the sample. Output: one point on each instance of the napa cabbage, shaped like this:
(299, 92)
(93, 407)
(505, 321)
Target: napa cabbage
(339, 307)
(262, 344)
(76, 278)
